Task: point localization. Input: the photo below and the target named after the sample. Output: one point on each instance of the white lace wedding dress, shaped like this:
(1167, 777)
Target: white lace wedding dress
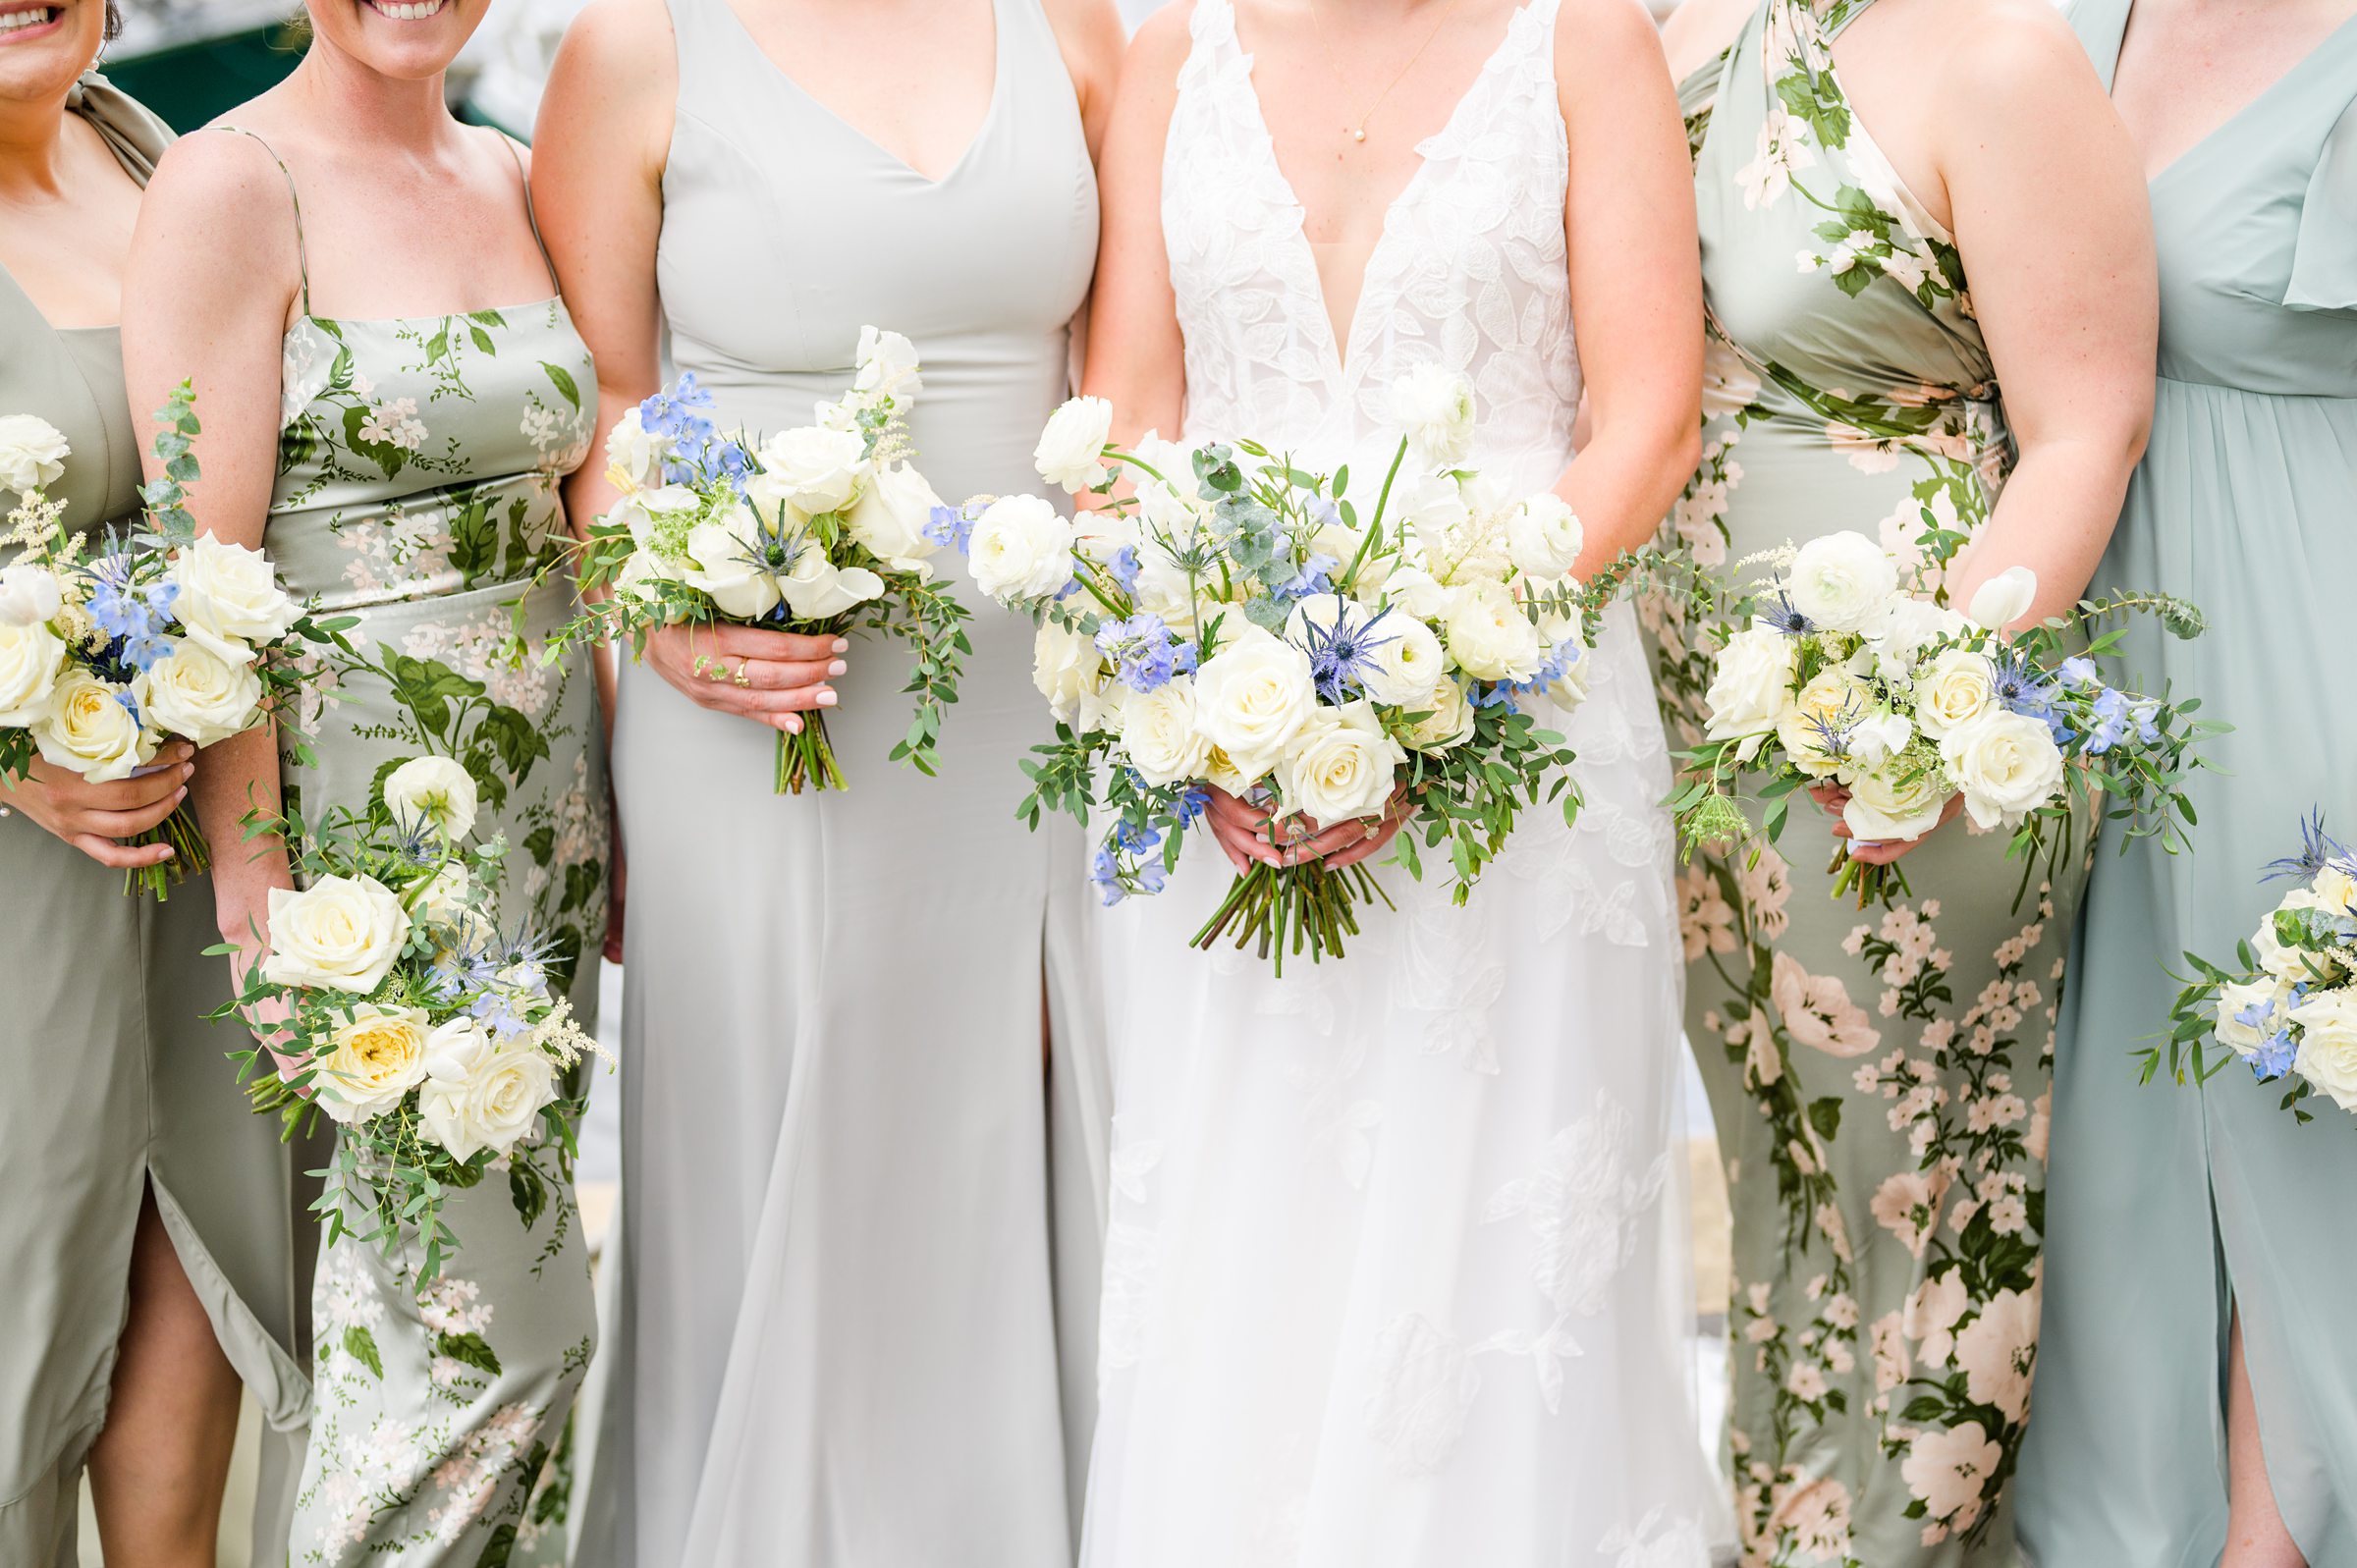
(1398, 1270)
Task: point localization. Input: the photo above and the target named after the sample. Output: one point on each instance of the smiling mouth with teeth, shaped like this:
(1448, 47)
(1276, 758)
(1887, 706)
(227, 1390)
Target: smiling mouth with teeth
(418, 11)
(24, 19)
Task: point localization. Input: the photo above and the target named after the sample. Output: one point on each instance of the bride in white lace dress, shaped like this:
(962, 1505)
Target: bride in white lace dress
(1397, 1272)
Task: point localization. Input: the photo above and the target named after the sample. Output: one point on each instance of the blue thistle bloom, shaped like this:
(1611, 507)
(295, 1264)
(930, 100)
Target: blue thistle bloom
(2317, 847)
(1123, 568)
(1341, 655)
(1143, 653)
(951, 528)
(1784, 619)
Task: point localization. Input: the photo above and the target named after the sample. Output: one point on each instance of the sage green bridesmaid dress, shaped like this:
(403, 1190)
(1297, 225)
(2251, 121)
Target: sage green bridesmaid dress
(1878, 1077)
(418, 467)
(2168, 1207)
(115, 1081)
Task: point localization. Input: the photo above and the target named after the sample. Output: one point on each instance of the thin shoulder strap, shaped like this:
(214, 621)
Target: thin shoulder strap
(302, 264)
(530, 216)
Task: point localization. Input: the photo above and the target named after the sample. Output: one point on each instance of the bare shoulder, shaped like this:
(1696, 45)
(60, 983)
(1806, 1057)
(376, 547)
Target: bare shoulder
(1160, 45)
(1599, 42)
(1698, 32)
(2006, 56)
(623, 47)
(1090, 32)
(227, 175)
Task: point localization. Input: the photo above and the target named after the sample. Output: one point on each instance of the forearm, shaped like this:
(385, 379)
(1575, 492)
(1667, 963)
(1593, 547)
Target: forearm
(1624, 482)
(2055, 517)
(234, 780)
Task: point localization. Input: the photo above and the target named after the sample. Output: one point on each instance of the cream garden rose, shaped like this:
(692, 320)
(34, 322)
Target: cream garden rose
(1831, 700)
(813, 469)
(1956, 688)
(33, 453)
(30, 660)
(1490, 636)
(1067, 669)
(1842, 581)
(1888, 806)
(435, 791)
(1160, 736)
(1021, 549)
(375, 1057)
(93, 727)
(479, 1094)
(340, 932)
(1750, 685)
(891, 516)
(200, 698)
(1340, 764)
(724, 563)
(2328, 1055)
(1449, 717)
(229, 602)
(2008, 765)
(1252, 697)
(1071, 450)
(1407, 660)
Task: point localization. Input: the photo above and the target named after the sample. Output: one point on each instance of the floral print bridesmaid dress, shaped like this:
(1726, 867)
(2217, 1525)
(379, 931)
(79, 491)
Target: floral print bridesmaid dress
(1879, 1077)
(417, 474)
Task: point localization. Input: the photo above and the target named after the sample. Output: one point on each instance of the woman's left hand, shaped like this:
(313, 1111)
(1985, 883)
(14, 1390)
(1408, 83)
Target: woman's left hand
(1247, 832)
(1832, 797)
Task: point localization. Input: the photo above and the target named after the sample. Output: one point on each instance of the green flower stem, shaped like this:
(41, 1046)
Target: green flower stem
(806, 760)
(190, 855)
(1278, 910)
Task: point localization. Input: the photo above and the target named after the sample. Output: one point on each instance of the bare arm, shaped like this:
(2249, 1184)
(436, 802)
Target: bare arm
(1136, 355)
(1089, 35)
(2056, 230)
(1636, 277)
(210, 285)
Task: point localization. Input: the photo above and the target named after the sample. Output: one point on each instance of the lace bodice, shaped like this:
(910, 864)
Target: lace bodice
(1469, 272)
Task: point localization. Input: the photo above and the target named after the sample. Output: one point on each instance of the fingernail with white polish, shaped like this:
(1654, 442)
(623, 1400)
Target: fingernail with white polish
(840, 646)
(837, 668)
(826, 699)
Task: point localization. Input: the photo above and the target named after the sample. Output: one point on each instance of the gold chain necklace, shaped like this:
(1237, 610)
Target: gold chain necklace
(1359, 131)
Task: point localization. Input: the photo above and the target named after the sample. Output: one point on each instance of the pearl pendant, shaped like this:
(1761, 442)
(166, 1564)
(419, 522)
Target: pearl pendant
(1356, 135)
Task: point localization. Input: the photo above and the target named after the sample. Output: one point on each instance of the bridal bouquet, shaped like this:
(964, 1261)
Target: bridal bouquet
(814, 531)
(437, 1043)
(1848, 675)
(1236, 622)
(157, 633)
(2288, 1008)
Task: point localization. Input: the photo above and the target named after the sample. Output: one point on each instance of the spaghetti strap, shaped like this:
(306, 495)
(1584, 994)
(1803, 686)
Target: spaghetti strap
(532, 214)
(302, 265)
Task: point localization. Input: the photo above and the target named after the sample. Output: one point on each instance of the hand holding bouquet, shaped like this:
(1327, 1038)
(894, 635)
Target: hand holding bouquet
(436, 1043)
(812, 531)
(161, 634)
(1847, 676)
(1235, 623)
(2288, 1008)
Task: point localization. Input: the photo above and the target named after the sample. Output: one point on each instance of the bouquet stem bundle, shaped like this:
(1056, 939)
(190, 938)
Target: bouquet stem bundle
(1282, 910)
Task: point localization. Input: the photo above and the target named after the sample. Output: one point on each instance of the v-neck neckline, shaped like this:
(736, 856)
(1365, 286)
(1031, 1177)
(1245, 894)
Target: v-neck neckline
(982, 131)
(1340, 352)
(2272, 92)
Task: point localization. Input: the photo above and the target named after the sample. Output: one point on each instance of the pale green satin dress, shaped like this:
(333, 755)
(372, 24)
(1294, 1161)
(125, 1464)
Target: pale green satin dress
(2165, 1203)
(418, 467)
(114, 1080)
(1878, 1078)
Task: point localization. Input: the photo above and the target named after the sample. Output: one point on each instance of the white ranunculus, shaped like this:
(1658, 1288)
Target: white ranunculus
(1434, 408)
(1842, 581)
(1159, 732)
(1914, 623)
(816, 589)
(1021, 549)
(30, 659)
(1072, 449)
(1070, 672)
(2328, 1055)
(1953, 690)
(1750, 682)
(443, 900)
(1543, 536)
(92, 729)
(633, 454)
(33, 453)
(1340, 764)
(1450, 719)
(376, 1056)
(1489, 635)
(2007, 763)
(2271, 995)
(1162, 589)
(2005, 598)
(1415, 591)
(456, 1048)
(813, 468)
(888, 366)
(1878, 737)
(890, 515)
(724, 564)
(1405, 661)
(1887, 807)
(29, 594)
(230, 602)
(198, 697)
(432, 791)
(1834, 700)
(494, 1105)
(342, 933)
(1251, 698)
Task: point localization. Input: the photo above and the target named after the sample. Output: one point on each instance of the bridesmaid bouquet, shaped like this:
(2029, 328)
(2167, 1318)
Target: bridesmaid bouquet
(2288, 1008)
(1848, 675)
(436, 1043)
(1234, 621)
(158, 633)
(814, 531)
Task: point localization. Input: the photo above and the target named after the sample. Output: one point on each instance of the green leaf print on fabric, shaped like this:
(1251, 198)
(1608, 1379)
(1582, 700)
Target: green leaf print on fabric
(361, 1345)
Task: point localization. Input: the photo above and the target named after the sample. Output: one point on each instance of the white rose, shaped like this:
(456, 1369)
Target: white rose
(726, 564)
(90, 727)
(2334, 888)
(433, 791)
(1953, 690)
(1749, 684)
(230, 600)
(891, 516)
(1833, 700)
(1489, 635)
(198, 697)
(1070, 672)
(2292, 964)
(1887, 807)
(633, 454)
(1021, 549)
(343, 933)
(1406, 662)
(1543, 536)
(30, 660)
(2007, 763)
(1842, 581)
(814, 468)
(33, 453)
(2272, 997)
(1434, 410)
(1875, 740)
(816, 589)
(1449, 719)
(1072, 449)
(1159, 732)
(29, 594)
(2328, 1055)
(493, 1106)
(375, 1057)
(1340, 764)
(2005, 598)
(456, 1048)
(1251, 698)
(888, 366)
(1564, 634)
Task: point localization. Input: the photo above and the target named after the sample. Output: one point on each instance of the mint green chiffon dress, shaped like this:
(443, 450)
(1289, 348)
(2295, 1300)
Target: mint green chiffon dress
(2167, 1206)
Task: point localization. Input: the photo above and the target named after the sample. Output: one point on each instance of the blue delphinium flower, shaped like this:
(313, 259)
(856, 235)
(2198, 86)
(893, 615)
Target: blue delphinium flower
(1136, 837)
(1560, 661)
(1342, 654)
(1316, 575)
(1192, 804)
(2112, 719)
(1123, 568)
(2148, 721)
(2076, 672)
(507, 978)
(134, 617)
(1143, 652)
(951, 528)
(2275, 1055)
(1105, 874)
